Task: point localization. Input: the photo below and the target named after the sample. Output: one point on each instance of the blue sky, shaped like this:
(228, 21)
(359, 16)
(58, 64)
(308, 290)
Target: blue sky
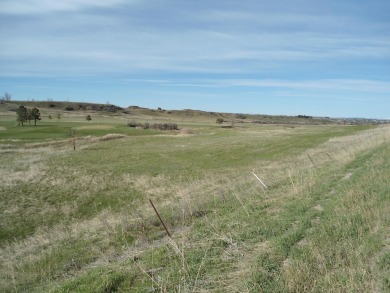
(322, 58)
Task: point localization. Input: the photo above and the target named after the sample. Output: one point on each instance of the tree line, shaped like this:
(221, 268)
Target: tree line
(27, 114)
(24, 114)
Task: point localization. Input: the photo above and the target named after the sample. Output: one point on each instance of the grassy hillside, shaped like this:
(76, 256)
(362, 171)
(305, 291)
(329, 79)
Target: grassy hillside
(7, 108)
(81, 221)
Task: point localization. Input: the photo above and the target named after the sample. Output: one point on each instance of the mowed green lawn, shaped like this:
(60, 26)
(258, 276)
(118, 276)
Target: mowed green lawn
(81, 221)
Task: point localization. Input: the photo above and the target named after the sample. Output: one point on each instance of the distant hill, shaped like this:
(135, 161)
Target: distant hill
(185, 114)
(66, 106)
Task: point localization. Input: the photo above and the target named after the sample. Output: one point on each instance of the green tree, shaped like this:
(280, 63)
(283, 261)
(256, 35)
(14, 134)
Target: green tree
(88, 117)
(219, 120)
(29, 116)
(35, 115)
(21, 113)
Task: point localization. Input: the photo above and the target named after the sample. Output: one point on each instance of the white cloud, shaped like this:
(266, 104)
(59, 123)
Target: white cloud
(48, 6)
(209, 41)
(331, 85)
(132, 50)
(361, 86)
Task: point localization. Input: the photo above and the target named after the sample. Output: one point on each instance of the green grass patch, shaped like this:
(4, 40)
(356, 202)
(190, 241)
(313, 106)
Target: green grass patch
(80, 221)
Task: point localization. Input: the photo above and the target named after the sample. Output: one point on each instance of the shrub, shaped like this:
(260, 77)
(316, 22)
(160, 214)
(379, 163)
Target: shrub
(133, 124)
(219, 120)
(157, 126)
(165, 126)
(240, 116)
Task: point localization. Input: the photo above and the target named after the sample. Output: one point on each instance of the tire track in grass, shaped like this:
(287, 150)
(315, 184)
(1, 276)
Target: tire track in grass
(302, 217)
(344, 252)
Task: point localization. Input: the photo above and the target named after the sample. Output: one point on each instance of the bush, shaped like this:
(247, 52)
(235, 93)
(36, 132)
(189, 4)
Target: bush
(157, 126)
(219, 120)
(164, 126)
(133, 124)
(240, 116)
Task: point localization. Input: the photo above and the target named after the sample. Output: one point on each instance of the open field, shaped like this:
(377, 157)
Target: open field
(81, 221)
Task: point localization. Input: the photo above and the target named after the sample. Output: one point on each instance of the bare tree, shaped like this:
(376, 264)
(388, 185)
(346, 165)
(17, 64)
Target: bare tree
(6, 97)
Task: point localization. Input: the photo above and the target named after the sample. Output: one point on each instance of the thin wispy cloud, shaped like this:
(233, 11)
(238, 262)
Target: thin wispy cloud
(341, 49)
(25, 7)
(347, 84)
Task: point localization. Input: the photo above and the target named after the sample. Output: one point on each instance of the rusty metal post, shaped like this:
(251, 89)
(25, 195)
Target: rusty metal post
(158, 215)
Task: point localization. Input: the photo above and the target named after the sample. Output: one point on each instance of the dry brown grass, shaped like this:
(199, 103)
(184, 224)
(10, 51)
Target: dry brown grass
(182, 201)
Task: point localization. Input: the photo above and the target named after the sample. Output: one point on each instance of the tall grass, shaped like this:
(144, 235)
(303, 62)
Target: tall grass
(81, 222)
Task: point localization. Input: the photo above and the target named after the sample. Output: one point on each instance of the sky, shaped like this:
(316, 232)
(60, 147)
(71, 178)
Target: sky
(281, 57)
